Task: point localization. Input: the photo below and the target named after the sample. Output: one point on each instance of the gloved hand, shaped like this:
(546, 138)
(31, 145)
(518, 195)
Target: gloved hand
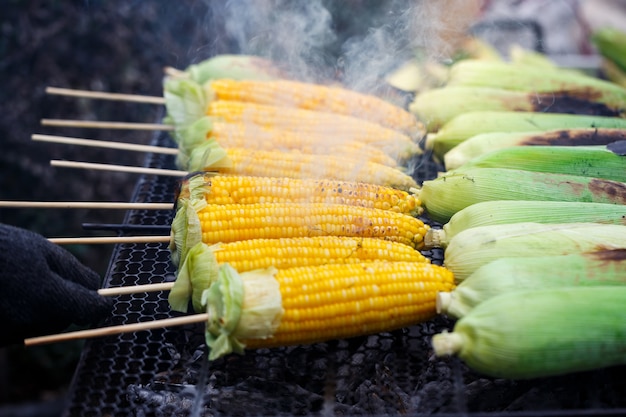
(43, 288)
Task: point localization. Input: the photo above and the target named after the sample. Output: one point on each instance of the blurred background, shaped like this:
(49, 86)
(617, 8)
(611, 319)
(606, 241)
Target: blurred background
(123, 46)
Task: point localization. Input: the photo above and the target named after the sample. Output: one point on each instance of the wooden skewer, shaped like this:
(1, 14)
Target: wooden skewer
(174, 72)
(137, 98)
(134, 289)
(108, 239)
(86, 205)
(113, 330)
(106, 125)
(119, 168)
(105, 144)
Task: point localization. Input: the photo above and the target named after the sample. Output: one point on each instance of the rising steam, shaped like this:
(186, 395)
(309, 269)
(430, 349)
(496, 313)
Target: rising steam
(356, 41)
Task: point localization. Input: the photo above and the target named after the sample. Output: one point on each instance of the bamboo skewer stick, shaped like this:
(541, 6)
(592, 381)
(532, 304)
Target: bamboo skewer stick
(106, 125)
(104, 144)
(86, 205)
(114, 330)
(90, 240)
(137, 98)
(119, 168)
(134, 289)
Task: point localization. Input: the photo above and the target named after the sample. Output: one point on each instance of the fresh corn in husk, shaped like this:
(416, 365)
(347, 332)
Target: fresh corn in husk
(606, 267)
(611, 43)
(444, 196)
(438, 106)
(487, 142)
(519, 55)
(537, 79)
(517, 211)
(473, 123)
(472, 248)
(587, 161)
(539, 333)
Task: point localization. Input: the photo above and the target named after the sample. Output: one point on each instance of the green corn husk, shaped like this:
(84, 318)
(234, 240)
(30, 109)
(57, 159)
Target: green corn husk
(517, 211)
(587, 161)
(613, 72)
(477, 246)
(537, 79)
(438, 106)
(470, 124)
(486, 142)
(505, 275)
(611, 43)
(236, 67)
(540, 333)
(523, 56)
(448, 194)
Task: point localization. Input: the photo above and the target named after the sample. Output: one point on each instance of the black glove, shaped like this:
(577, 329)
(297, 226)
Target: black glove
(43, 288)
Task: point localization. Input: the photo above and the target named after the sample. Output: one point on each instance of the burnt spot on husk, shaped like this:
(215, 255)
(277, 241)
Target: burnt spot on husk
(576, 137)
(583, 102)
(608, 254)
(614, 190)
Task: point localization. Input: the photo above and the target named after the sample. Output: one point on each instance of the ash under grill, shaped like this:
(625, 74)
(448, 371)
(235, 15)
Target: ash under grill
(165, 372)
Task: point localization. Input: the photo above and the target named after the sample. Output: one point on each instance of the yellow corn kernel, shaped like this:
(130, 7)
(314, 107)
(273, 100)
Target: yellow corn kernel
(242, 135)
(246, 255)
(222, 189)
(318, 303)
(232, 222)
(295, 164)
(322, 98)
(341, 128)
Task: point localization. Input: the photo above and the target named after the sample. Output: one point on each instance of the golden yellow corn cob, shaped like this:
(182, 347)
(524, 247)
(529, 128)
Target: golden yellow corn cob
(247, 255)
(321, 98)
(269, 308)
(222, 189)
(248, 135)
(195, 221)
(231, 222)
(342, 128)
(295, 164)
(254, 254)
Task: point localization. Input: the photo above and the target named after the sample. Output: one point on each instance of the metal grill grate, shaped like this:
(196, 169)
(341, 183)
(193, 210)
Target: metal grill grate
(165, 372)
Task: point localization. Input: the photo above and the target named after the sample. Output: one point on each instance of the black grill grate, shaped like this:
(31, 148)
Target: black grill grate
(165, 372)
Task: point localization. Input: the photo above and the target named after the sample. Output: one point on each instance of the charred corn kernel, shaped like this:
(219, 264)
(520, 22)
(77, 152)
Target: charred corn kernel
(341, 128)
(473, 123)
(537, 80)
(196, 221)
(539, 333)
(517, 211)
(587, 161)
(455, 190)
(269, 308)
(321, 98)
(221, 189)
(244, 135)
(487, 142)
(475, 247)
(295, 164)
(438, 106)
(605, 267)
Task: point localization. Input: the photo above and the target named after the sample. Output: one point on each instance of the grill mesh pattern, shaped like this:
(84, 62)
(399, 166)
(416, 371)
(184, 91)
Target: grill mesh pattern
(165, 372)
